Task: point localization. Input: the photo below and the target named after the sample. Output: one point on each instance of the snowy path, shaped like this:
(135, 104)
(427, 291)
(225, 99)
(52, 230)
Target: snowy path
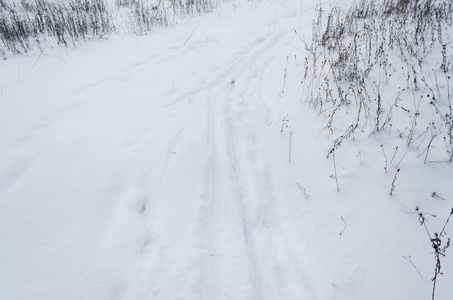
(213, 198)
(146, 168)
(148, 160)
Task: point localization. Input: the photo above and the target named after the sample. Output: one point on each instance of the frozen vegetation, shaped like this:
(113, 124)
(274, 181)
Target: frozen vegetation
(226, 149)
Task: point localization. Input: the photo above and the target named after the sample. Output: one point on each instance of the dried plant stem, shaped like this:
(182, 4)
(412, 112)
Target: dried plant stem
(393, 182)
(335, 170)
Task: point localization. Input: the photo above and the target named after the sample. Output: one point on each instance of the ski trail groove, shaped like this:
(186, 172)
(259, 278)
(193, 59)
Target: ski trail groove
(223, 118)
(226, 221)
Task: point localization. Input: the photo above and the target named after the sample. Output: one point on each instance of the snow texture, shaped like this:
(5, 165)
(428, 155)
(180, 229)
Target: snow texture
(155, 167)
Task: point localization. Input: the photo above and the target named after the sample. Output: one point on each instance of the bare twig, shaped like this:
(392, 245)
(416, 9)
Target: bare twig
(412, 263)
(335, 170)
(394, 153)
(393, 183)
(344, 226)
(37, 60)
(303, 191)
(190, 36)
(385, 157)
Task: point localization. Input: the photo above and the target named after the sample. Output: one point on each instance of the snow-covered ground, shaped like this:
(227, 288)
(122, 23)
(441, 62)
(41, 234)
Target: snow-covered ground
(157, 167)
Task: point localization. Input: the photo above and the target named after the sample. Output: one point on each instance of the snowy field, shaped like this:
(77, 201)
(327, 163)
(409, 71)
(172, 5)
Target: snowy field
(183, 164)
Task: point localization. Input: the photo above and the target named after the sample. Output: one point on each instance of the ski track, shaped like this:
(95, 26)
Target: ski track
(230, 224)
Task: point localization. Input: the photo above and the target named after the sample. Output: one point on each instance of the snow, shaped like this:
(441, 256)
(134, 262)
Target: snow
(140, 167)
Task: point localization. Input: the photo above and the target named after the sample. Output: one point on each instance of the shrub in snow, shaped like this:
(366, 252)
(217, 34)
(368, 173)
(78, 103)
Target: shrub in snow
(28, 23)
(378, 66)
